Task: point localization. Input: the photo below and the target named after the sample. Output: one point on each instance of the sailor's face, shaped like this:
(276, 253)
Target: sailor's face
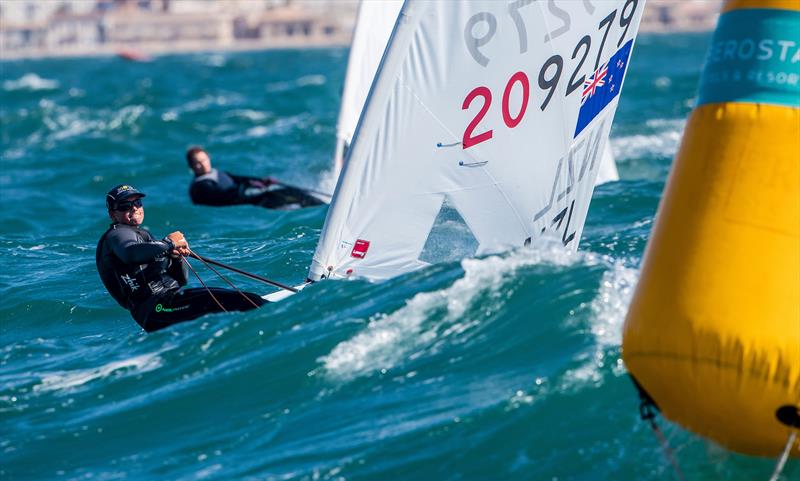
(201, 164)
(132, 212)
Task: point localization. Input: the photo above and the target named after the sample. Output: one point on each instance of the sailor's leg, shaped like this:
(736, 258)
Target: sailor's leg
(190, 304)
(270, 200)
(286, 198)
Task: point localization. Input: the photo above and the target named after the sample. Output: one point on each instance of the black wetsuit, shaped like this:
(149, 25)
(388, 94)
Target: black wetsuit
(141, 276)
(220, 188)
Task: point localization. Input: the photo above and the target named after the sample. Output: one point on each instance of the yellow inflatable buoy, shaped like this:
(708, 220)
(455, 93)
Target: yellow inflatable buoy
(713, 331)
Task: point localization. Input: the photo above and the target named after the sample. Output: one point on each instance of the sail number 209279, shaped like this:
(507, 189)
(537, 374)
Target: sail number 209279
(550, 72)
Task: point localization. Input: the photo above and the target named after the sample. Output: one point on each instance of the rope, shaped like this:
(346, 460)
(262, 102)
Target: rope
(647, 412)
(246, 274)
(784, 456)
(224, 279)
(184, 259)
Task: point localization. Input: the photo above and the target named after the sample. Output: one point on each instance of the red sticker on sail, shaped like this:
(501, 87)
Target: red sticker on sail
(360, 249)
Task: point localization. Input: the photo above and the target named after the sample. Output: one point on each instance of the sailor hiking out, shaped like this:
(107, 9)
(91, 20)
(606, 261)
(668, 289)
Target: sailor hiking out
(219, 188)
(146, 275)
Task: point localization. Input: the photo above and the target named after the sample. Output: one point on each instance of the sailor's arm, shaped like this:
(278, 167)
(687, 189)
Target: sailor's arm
(245, 182)
(239, 179)
(131, 250)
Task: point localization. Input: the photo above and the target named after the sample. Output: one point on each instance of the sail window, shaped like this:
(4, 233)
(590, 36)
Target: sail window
(450, 238)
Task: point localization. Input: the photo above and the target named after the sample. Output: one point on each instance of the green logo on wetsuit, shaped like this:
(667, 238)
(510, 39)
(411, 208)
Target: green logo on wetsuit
(160, 308)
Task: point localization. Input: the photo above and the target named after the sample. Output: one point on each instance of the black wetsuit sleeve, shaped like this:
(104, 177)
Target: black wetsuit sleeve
(207, 192)
(241, 179)
(130, 249)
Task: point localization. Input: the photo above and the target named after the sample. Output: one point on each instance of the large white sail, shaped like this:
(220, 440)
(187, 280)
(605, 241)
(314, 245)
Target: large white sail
(497, 111)
(374, 25)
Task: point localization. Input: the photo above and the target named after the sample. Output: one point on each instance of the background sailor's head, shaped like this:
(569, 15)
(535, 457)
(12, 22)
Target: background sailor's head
(198, 161)
(124, 203)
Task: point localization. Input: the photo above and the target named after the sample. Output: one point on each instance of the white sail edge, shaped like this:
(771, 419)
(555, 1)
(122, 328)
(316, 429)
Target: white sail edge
(608, 166)
(374, 24)
(378, 94)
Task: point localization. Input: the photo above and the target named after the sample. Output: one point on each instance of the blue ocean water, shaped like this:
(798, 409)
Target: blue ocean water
(504, 367)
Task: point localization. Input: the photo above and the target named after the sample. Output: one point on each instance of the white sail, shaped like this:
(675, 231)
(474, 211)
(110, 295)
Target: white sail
(608, 167)
(497, 112)
(374, 25)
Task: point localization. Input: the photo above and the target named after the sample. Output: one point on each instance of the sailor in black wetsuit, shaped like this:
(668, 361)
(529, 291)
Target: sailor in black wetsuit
(146, 276)
(219, 188)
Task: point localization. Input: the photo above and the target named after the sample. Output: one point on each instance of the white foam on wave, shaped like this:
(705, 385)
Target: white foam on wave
(126, 116)
(608, 311)
(311, 80)
(664, 142)
(65, 123)
(389, 339)
(203, 103)
(30, 81)
(283, 86)
(281, 126)
(61, 380)
(248, 114)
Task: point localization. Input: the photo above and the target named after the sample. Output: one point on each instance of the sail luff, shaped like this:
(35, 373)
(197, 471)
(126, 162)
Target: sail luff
(367, 125)
(374, 24)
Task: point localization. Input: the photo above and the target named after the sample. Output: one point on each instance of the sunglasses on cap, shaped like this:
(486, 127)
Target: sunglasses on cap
(128, 206)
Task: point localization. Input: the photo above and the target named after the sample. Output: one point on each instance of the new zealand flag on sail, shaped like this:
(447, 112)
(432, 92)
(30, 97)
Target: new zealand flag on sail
(602, 86)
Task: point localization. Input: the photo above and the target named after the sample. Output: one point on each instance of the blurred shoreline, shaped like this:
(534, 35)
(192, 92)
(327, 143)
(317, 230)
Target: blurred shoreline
(138, 30)
(144, 54)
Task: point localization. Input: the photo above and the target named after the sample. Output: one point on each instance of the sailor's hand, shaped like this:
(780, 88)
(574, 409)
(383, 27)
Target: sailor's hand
(269, 181)
(179, 245)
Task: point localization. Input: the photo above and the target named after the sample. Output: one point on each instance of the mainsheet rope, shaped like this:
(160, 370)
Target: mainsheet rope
(186, 261)
(201, 259)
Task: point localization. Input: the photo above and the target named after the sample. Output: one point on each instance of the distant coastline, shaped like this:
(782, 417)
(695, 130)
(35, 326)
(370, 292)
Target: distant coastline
(170, 49)
(137, 30)
(137, 34)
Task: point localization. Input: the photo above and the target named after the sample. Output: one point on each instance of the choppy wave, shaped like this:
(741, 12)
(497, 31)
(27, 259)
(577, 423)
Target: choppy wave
(30, 81)
(276, 127)
(202, 104)
(663, 142)
(64, 123)
(251, 115)
(429, 317)
(60, 380)
(608, 310)
(285, 86)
